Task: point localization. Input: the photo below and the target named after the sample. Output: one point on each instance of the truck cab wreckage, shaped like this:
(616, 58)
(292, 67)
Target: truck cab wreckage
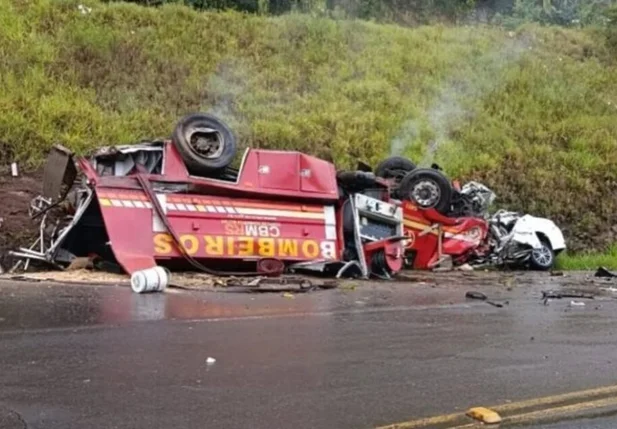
(179, 203)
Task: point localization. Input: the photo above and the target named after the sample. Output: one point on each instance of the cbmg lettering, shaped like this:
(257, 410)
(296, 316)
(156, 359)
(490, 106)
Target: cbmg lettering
(246, 246)
(252, 229)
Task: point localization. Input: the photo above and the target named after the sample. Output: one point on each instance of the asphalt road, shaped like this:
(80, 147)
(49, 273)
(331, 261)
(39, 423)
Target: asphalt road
(102, 357)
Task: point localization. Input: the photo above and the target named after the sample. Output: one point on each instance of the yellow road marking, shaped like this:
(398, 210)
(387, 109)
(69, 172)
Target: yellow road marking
(573, 396)
(426, 423)
(548, 413)
(585, 400)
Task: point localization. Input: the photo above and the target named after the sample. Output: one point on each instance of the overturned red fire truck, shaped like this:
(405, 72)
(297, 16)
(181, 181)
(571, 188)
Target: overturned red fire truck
(180, 203)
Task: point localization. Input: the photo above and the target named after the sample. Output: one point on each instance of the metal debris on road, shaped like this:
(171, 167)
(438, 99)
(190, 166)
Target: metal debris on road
(577, 304)
(603, 272)
(480, 296)
(476, 295)
(210, 360)
(560, 295)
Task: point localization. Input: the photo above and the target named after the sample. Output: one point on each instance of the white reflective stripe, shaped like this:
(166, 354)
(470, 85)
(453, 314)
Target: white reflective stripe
(127, 203)
(191, 207)
(140, 205)
(170, 206)
(211, 209)
(330, 217)
(157, 223)
(180, 207)
(221, 209)
(116, 203)
(230, 209)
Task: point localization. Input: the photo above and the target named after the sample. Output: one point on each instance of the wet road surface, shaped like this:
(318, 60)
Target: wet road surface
(102, 357)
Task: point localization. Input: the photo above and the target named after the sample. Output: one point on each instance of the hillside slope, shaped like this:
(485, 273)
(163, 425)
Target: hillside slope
(533, 113)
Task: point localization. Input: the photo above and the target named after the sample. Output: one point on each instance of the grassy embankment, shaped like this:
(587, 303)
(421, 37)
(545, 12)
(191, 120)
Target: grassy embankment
(584, 261)
(532, 113)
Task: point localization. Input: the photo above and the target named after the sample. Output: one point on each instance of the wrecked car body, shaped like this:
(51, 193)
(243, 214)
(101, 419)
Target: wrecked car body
(521, 240)
(446, 221)
(179, 203)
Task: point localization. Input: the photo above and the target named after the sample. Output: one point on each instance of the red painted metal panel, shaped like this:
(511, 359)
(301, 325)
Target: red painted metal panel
(460, 235)
(129, 229)
(279, 170)
(213, 227)
(312, 175)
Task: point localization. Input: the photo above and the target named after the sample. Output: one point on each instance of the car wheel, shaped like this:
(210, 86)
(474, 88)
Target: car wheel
(427, 188)
(542, 259)
(205, 143)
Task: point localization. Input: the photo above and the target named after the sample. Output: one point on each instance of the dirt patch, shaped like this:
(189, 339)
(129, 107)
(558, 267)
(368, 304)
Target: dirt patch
(16, 227)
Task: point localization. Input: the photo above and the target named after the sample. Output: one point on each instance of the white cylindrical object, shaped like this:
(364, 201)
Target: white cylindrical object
(14, 169)
(153, 279)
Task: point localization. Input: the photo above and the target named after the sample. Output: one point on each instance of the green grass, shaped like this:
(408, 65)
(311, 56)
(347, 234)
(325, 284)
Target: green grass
(532, 113)
(588, 260)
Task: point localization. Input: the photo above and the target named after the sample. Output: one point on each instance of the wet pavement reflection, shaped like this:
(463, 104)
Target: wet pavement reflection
(364, 355)
(45, 305)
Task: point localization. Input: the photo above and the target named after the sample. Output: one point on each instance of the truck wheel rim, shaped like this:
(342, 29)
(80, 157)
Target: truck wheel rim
(205, 142)
(426, 193)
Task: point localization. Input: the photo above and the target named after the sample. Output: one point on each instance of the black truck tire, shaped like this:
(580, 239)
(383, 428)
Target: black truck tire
(394, 166)
(427, 188)
(207, 145)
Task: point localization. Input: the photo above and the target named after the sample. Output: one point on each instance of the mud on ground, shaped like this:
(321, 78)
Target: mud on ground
(16, 227)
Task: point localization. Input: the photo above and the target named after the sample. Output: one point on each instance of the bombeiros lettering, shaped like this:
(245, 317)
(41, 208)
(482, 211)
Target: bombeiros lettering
(246, 246)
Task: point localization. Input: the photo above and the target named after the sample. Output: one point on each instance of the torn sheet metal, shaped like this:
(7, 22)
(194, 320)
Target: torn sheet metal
(121, 160)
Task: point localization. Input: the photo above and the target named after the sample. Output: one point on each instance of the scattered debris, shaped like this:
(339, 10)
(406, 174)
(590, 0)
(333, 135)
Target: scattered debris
(560, 295)
(577, 304)
(498, 304)
(151, 280)
(548, 295)
(210, 361)
(465, 267)
(476, 295)
(603, 272)
(288, 295)
(480, 296)
(80, 264)
(557, 274)
(14, 170)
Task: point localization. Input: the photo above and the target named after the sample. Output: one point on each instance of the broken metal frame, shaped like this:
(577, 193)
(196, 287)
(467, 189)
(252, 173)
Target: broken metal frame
(441, 258)
(47, 254)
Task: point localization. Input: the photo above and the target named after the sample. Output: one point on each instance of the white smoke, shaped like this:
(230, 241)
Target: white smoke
(451, 107)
